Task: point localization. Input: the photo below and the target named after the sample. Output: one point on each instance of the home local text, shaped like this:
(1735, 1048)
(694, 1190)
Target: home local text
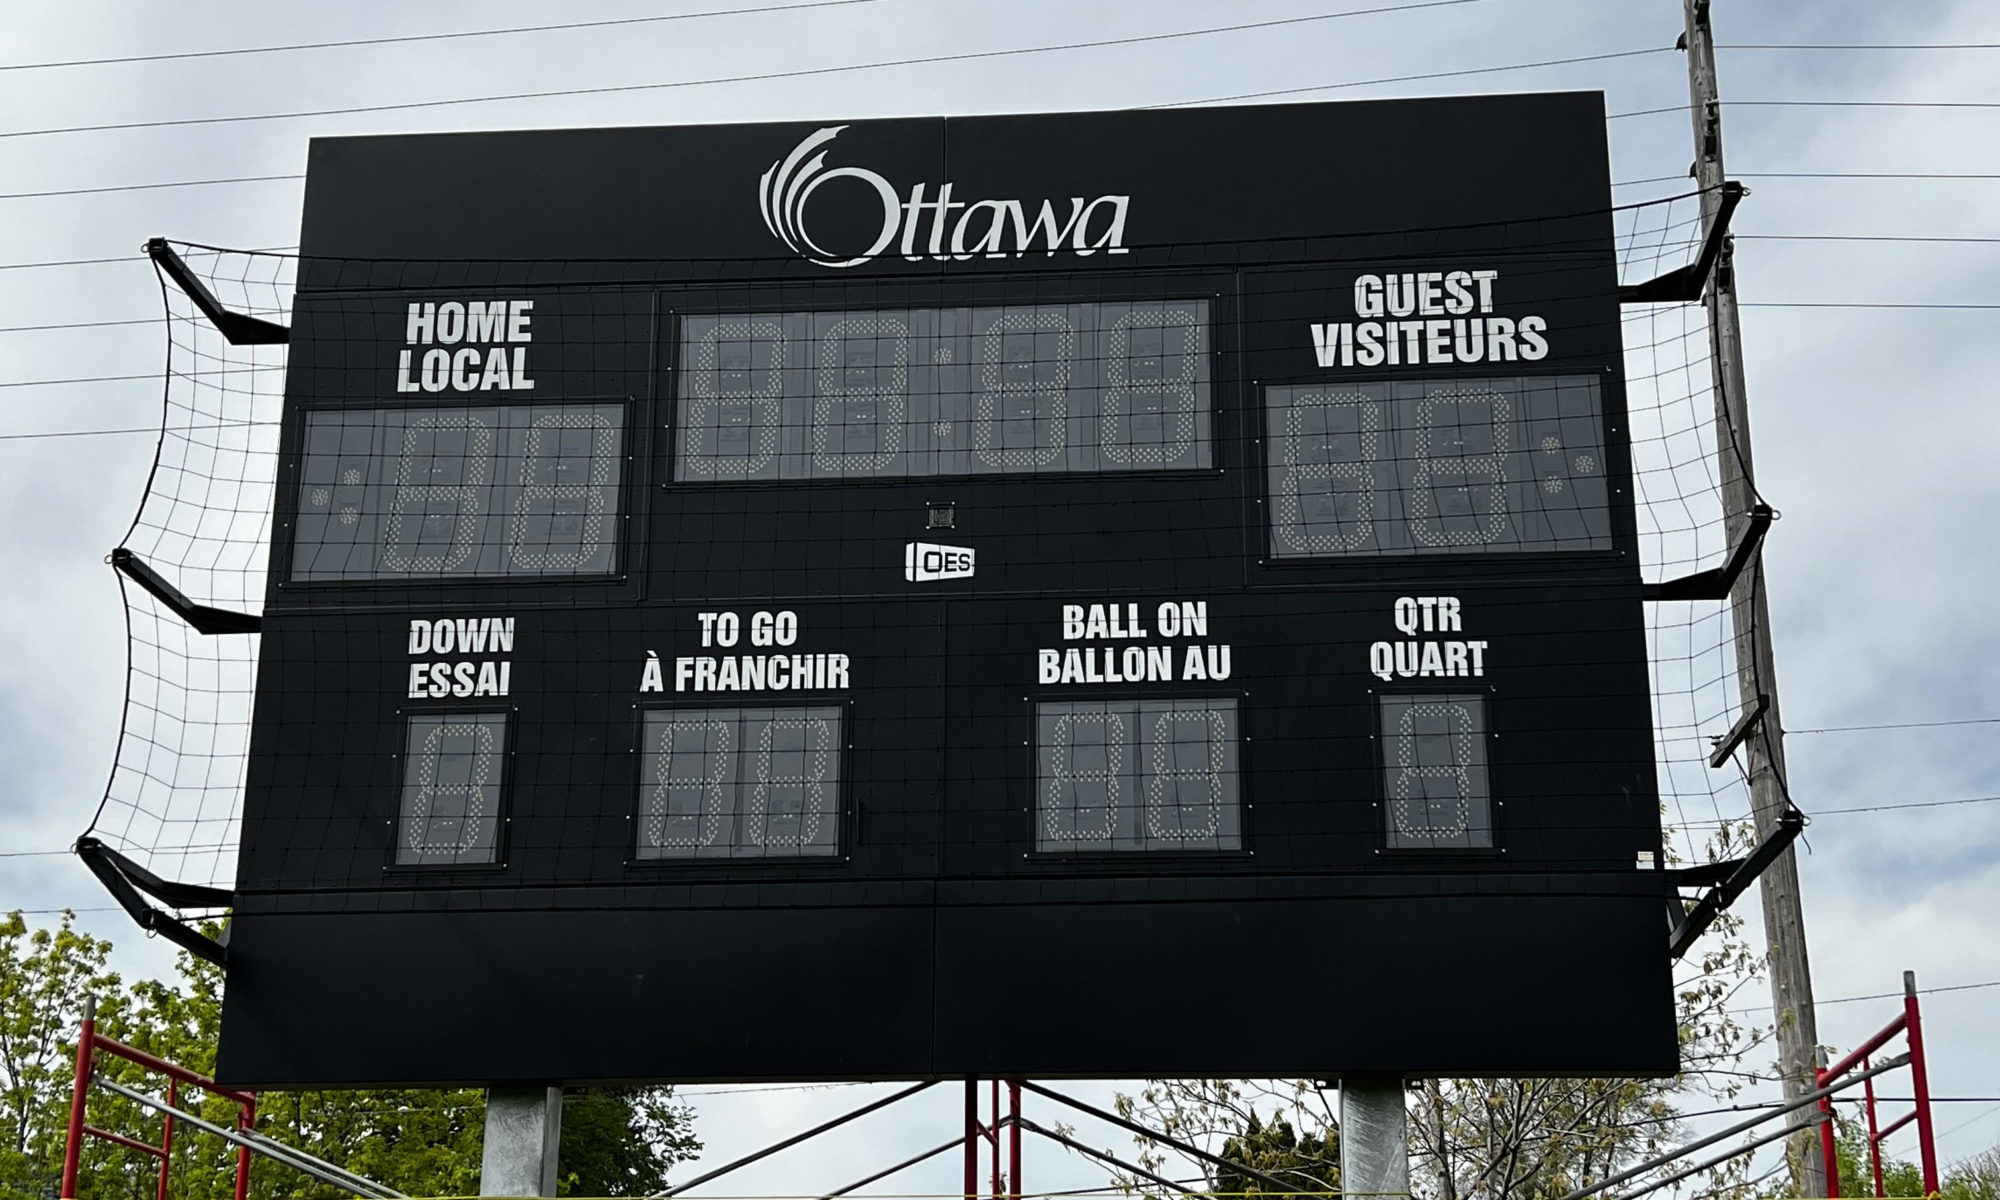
(1451, 320)
(491, 337)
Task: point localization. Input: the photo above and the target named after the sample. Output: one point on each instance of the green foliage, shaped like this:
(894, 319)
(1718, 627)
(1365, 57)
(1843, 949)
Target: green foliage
(1310, 1163)
(620, 1141)
(1975, 1178)
(616, 1142)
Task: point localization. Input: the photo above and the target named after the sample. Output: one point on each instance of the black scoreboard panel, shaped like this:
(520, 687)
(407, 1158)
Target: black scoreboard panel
(1195, 546)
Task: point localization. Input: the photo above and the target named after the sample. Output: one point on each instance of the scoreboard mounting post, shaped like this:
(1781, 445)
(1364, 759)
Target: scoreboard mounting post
(762, 573)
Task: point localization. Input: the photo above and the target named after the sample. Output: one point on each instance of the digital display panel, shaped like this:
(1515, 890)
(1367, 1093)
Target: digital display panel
(1137, 775)
(1434, 760)
(440, 493)
(452, 768)
(933, 392)
(1457, 466)
(740, 783)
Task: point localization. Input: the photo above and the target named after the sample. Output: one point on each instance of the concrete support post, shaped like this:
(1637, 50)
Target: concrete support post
(1374, 1137)
(523, 1132)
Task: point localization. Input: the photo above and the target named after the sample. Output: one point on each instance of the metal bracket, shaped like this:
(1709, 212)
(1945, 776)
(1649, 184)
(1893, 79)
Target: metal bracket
(1715, 583)
(1730, 880)
(125, 879)
(1684, 285)
(241, 329)
(1727, 743)
(200, 617)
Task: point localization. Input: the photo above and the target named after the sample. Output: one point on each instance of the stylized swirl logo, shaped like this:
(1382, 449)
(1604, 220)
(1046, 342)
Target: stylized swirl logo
(783, 190)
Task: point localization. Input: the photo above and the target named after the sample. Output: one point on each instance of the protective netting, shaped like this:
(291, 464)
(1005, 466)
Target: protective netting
(174, 799)
(203, 522)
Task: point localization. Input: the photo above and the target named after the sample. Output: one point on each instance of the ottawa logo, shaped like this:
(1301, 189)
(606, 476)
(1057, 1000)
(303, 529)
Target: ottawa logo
(925, 561)
(982, 228)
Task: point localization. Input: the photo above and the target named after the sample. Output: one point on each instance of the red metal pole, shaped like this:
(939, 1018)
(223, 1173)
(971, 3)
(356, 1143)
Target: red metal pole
(1920, 1083)
(1826, 1143)
(1874, 1135)
(971, 1138)
(79, 1091)
(1014, 1138)
(993, 1136)
(167, 1134)
(244, 1121)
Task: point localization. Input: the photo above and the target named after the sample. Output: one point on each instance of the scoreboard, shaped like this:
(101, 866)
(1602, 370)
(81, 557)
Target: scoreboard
(1105, 594)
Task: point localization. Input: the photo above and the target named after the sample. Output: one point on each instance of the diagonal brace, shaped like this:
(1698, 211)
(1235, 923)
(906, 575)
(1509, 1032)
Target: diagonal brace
(200, 617)
(1697, 919)
(1684, 285)
(125, 879)
(241, 329)
(1714, 583)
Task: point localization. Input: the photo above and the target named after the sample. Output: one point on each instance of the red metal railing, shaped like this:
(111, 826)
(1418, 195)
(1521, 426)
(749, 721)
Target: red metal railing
(1910, 1024)
(976, 1131)
(90, 1044)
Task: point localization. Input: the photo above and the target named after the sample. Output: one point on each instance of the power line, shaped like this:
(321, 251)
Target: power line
(79, 325)
(1817, 175)
(152, 429)
(144, 187)
(1352, 83)
(71, 262)
(1827, 812)
(423, 37)
(1853, 304)
(1855, 237)
(1681, 108)
(1898, 725)
(13, 383)
(1859, 46)
(758, 77)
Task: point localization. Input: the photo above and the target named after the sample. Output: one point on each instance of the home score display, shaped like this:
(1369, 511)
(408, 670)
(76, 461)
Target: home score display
(922, 598)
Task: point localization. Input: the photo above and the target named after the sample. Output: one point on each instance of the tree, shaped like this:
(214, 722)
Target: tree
(422, 1142)
(1497, 1139)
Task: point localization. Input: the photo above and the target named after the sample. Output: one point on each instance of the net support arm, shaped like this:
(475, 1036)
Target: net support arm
(241, 329)
(1716, 582)
(200, 617)
(1685, 285)
(1697, 919)
(125, 879)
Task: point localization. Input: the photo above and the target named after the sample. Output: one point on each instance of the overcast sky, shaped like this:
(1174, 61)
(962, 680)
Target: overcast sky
(1876, 432)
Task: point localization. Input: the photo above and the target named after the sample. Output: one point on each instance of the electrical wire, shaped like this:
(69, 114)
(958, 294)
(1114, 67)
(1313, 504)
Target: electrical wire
(1352, 83)
(144, 187)
(1829, 812)
(170, 56)
(1897, 725)
(149, 429)
(758, 77)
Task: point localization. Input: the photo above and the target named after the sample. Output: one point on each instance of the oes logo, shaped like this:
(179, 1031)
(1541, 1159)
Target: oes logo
(924, 561)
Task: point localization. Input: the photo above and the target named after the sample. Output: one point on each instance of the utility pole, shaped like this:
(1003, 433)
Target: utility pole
(1750, 619)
